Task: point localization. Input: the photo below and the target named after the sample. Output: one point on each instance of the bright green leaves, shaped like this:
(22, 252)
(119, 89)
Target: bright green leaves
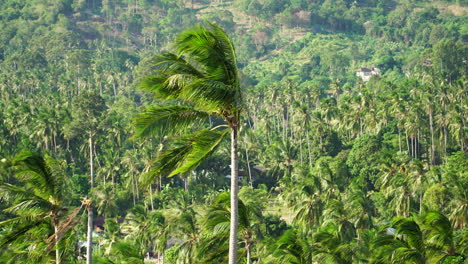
(175, 78)
(161, 120)
(202, 74)
(185, 153)
(212, 50)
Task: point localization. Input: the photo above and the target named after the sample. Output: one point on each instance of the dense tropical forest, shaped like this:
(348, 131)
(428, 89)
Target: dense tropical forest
(348, 117)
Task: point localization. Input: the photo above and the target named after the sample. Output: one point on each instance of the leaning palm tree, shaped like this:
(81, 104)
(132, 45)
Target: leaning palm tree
(38, 202)
(202, 77)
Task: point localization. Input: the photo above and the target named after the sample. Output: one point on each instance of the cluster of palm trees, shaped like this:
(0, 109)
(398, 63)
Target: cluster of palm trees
(428, 114)
(341, 213)
(326, 226)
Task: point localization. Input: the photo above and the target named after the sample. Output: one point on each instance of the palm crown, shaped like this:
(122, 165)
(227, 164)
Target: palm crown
(203, 76)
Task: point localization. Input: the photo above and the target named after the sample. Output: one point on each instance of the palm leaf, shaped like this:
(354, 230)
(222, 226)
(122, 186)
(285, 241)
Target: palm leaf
(32, 169)
(39, 173)
(19, 231)
(164, 66)
(212, 50)
(209, 95)
(26, 201)
(168, 119)
(184, 153)
(438, 230)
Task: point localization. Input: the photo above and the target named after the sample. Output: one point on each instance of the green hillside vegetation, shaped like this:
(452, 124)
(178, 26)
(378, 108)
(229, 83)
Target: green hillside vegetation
(332, 168)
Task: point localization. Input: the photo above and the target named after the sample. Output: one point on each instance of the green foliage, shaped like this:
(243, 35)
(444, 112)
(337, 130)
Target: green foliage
(340, 157)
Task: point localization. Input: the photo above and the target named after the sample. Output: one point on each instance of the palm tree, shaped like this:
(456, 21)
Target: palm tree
(203, 75)
(147, 229)
(309, 208)
(39, 202)
(217, 221)
(292, 248)
(183, 220)
(332, 246)
(426, 238)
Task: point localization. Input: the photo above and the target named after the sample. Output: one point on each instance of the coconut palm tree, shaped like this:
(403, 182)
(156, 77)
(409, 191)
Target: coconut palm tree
(292, 247)
(146, 228)
(425, 238)
(203, 76)
(331, 245)
(310, 206)
(217, 221)
(39, 203)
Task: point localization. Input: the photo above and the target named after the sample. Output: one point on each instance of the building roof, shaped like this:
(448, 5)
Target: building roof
(363, 70)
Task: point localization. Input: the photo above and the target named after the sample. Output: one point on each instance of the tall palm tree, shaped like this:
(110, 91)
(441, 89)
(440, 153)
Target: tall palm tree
(203, 76)
(40, 201)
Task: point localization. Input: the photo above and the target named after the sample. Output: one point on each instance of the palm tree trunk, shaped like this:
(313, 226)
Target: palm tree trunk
(407, 143)
(249, 249)
(234, 197)
(57, 250)
(91, 161)
(432, 138)
(89, 243)
(308, 149)
(399, 138)
(445, 140)
(151, 197)
(248, 167)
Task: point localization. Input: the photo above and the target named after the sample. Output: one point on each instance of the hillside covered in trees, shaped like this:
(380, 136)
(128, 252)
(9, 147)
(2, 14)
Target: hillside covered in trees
(352, 142)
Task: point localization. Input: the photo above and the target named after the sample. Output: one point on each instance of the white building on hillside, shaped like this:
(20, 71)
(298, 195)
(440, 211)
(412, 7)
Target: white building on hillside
(366, 73)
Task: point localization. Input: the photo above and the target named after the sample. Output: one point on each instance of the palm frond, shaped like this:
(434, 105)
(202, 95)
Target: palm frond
(208, 94)
(184, 153)
(411, 230)
(26, 201)
(19, 231)
(438, 230)
(203, 143)
(39, 173)
(164, 66)
(212, 50)
(167, 119)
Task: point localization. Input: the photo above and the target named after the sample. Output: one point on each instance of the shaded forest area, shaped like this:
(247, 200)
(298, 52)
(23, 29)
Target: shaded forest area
(333, 169)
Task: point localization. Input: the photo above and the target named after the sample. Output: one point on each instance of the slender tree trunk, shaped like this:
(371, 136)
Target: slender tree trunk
(418, 149)
(234, 197)
(412, 146)
(248, 167)
(445, 140)
(308, 148)
(407, 143)
(57, 250)
(89, 248)
(432, 138)
(360, 127)
(91, 161)
(300, 149)
(249, 249)
(89, 244)
(151, 198)
(399, 138)
(133, 189)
